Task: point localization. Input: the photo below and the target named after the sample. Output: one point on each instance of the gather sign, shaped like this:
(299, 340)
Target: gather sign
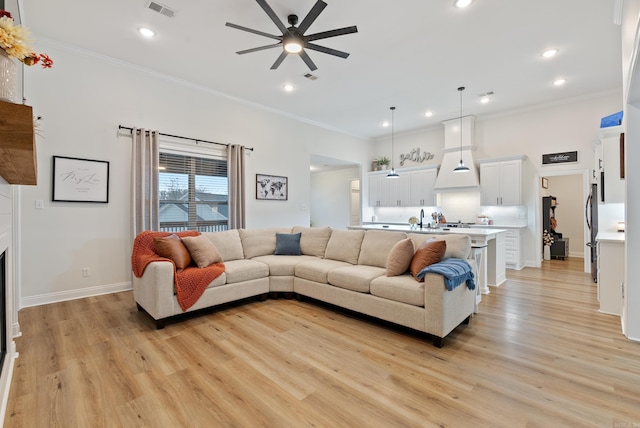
(416, 156)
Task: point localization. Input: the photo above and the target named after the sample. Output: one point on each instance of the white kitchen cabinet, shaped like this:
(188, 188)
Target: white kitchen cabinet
(501, 182)
(610, 275)
(514, 254)
(614, 184)
(378, 190)
(412, 188)
(422, 183)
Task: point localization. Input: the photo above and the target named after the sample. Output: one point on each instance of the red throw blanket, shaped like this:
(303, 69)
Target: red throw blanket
(190, 283)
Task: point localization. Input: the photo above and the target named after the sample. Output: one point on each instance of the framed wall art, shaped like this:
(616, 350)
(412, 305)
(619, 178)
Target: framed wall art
(545, 183)
(272, 187)
(80, 180)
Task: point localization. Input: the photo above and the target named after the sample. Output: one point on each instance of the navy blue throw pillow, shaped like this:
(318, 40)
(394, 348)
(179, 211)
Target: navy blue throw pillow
(287, 244)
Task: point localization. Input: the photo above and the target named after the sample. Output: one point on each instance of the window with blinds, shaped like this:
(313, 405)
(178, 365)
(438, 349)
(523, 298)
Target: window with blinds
(194, 193)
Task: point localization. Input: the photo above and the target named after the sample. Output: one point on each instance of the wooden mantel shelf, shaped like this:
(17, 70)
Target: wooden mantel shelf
(17, 144)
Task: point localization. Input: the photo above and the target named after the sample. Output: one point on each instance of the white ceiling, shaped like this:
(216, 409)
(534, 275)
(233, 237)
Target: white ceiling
(412, 54)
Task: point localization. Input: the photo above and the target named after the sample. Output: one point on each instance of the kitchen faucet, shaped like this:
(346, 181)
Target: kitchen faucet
(421, 217)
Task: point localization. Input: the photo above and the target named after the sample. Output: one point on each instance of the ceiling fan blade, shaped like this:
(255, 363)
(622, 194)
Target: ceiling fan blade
(329, 51)
(281, 58)
(332, 33)
(311, 16)
(250, 30)
(261, 48)
(263, 4)
(307, 60)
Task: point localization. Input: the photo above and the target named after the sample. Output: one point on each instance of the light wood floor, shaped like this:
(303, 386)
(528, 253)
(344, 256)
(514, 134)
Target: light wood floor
(537, 355)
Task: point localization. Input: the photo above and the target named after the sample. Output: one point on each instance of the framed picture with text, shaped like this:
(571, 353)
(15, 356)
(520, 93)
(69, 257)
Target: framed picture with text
(272, 187)
(80, 180)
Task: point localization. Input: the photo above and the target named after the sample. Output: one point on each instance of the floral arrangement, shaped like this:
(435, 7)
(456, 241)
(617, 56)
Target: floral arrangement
(547, 238)
(14, 41)
(413, 220)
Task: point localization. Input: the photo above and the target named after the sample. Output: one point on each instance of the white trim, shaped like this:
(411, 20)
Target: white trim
(61, 296)
(7, 376)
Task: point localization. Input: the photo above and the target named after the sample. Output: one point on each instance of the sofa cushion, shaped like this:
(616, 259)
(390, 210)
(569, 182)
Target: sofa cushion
(356, 278)
(376, 246)
(344, 245)
(313, 240)
(245, 270)
(318, 269)
(427, 254)
(287, 244)
(259, 242)
(202, 250)
(458, 246)
(228, 244)
(282, 265)
(403, 288)
(172, 248)
(400, 257)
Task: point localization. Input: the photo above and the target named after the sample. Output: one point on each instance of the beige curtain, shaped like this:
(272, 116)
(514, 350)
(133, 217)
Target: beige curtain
(236, 155)
(144, 190)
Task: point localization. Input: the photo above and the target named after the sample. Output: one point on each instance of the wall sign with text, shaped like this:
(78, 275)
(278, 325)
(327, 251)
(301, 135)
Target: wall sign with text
(564, 157)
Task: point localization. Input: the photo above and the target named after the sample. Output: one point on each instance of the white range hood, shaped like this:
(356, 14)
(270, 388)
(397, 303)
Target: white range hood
(448, 180)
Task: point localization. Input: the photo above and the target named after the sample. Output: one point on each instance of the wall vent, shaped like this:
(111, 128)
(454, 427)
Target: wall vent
(161, 9)
(310, 76)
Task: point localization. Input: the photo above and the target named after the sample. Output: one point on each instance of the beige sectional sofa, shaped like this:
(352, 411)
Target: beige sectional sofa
(345, 268)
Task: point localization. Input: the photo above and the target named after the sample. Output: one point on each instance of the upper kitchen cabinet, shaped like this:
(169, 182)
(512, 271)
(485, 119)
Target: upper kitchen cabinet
(501, 181)
(611, 173)
(422, 183)
(412, 188)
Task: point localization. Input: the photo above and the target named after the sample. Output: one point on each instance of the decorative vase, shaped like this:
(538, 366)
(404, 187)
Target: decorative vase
(8, 78)
(547, 252)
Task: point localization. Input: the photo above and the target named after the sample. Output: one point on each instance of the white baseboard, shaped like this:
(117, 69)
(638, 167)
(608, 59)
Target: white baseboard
(44, 299)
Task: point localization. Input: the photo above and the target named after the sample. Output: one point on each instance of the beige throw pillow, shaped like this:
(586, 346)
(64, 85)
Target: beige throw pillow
(202, 250)
(400, 257)
(427, 254)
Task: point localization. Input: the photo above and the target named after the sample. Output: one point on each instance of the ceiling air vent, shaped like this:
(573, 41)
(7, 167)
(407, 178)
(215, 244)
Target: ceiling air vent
(310, 76)
(161, 9)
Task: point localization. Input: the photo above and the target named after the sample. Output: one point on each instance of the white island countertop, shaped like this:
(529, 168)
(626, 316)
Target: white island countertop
(476, 231)
(610, 237)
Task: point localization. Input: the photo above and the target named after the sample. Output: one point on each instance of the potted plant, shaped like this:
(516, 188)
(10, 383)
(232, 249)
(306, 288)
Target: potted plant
(383, 162)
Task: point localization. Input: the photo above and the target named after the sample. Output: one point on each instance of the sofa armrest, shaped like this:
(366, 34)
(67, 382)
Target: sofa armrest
(154, 290)
(444, 309)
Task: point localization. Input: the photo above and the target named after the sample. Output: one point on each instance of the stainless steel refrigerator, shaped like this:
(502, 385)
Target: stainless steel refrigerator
(591, 216)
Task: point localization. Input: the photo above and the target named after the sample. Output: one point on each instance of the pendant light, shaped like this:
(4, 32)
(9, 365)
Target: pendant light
(393, 173)
(461, 166)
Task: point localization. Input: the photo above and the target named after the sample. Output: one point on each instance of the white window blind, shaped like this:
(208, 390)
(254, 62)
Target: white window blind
(194, 192)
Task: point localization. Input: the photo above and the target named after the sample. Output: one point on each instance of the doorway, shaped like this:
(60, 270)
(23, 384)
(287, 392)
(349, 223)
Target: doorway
(570, 188)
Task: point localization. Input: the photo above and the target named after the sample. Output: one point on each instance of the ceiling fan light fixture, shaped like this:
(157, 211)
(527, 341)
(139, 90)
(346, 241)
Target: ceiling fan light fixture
(461, 4)
(293, 45)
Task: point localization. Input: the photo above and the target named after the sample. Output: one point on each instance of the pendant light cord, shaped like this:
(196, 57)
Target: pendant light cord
(392, 162)
(460, 89)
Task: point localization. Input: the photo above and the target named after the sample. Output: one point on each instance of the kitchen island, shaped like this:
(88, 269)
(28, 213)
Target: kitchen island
(488, 245)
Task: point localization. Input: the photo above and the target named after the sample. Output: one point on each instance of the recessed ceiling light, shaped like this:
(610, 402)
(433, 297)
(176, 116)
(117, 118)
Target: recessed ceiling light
(429, 113)
(147, 32)
(559, 82)
(485, 99)
(549, 53)
(385, 124)
(288, 87)
(462, 3)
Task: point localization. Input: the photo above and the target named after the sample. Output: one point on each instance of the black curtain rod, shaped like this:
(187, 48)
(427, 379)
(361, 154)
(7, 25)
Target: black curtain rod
(185, 138)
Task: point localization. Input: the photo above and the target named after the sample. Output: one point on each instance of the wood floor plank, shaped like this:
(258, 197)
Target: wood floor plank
(538, 354)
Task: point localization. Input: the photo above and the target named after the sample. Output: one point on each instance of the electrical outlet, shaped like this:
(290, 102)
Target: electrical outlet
(86, 272)
(39, 204)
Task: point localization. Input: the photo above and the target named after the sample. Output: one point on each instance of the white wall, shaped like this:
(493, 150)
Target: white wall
(330, 197)
(82, 100)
